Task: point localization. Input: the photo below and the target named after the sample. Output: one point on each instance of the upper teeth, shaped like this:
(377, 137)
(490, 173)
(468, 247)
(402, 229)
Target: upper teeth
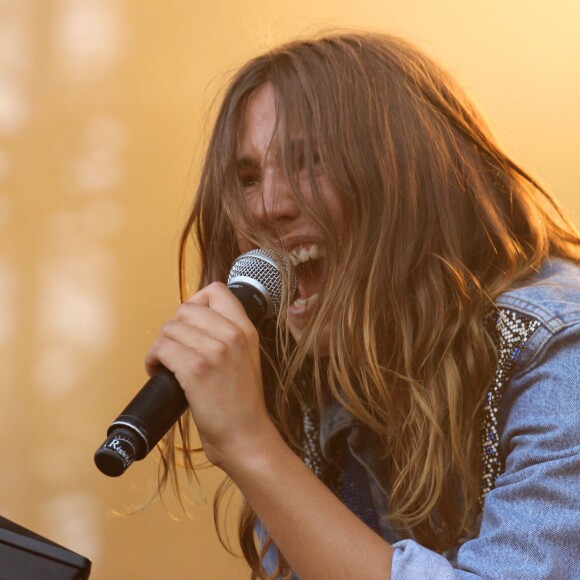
(304, 253)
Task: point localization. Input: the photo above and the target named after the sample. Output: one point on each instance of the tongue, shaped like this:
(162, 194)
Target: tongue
(308, 279)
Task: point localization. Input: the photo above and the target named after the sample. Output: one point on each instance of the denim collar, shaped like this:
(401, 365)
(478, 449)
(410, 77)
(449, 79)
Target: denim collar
(363, 444)
(334, 419)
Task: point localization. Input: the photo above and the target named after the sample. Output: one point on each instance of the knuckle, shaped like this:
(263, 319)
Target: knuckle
(198, 366)
(221, 351)
(184, 310)
(219, 286)
(161, 345)
(234, 336)
(215, 287)
(167, 328)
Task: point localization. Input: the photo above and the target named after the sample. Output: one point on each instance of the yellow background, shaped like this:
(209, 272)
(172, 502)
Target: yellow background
(103, 108)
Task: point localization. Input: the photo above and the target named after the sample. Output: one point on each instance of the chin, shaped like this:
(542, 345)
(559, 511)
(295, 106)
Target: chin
(322, 343)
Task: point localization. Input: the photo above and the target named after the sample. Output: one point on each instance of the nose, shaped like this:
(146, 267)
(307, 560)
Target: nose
(275, 201)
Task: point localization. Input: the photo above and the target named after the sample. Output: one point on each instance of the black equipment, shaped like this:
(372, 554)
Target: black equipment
(25, 555)
(256, 280)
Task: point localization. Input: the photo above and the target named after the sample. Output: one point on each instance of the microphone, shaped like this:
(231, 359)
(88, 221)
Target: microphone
(257, 281)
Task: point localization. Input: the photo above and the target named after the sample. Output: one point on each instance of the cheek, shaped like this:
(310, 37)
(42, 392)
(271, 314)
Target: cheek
(244, 244)
(337, 217)
(243, 229)
(332, 201)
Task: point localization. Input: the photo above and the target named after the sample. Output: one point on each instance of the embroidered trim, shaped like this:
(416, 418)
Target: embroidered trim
(311, 428)
(511, 332)
(329, 473)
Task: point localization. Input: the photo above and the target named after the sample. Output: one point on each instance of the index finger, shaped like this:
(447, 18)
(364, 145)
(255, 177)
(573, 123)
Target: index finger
(222, 300)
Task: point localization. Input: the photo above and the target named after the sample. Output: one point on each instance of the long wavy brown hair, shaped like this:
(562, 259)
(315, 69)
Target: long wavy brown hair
(440, 222)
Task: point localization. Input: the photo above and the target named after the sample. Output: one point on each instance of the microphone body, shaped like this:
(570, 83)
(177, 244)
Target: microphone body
(257, 282)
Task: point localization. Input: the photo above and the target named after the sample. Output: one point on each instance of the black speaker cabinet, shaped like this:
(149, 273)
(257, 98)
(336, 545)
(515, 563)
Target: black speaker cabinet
(25, 555)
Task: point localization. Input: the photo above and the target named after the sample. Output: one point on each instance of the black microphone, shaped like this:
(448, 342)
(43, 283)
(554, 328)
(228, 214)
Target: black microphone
(258, 283)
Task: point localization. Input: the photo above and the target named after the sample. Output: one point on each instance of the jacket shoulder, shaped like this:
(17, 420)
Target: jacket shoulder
(551, 295)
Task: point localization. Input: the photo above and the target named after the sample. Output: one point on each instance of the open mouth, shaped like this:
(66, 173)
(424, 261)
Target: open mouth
(307, 260)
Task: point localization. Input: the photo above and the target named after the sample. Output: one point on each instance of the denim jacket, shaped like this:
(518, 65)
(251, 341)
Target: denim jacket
(530, 524)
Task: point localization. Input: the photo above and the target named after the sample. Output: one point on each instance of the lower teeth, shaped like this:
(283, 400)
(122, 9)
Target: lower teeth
(305, 301)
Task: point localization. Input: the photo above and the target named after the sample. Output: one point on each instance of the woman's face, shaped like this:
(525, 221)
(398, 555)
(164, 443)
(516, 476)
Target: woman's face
(274, 205)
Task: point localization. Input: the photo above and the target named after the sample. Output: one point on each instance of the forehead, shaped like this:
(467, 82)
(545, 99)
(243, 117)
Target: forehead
(258, 123)
(262, 129)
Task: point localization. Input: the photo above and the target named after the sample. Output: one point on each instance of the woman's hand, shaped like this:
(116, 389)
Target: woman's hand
(213, 349)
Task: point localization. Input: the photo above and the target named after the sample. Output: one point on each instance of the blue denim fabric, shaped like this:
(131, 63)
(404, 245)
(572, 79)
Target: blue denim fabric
(530, 525)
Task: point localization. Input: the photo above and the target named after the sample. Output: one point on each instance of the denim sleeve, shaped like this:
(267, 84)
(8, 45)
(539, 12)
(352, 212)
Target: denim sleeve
(530, 526)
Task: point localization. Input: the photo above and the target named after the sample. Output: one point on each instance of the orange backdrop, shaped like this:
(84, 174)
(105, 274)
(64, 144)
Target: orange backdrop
(103, 107)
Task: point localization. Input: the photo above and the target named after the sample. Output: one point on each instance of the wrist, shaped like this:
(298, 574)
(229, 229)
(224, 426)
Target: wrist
(256, 454)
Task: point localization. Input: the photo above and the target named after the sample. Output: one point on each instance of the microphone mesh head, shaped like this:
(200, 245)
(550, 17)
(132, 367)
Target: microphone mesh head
(263, 266)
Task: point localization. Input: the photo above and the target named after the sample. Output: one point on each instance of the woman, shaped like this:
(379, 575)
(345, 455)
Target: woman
(436, 319)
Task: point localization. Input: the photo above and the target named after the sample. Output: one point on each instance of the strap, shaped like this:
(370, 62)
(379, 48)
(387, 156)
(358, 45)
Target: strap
(511, 330)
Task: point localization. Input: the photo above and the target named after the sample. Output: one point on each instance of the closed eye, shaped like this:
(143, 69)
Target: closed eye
(250, 180)
(300, 160)
(249, 172)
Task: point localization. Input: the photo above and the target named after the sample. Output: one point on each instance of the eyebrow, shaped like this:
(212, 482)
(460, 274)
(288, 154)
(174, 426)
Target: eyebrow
(247, 162)
(295, 146)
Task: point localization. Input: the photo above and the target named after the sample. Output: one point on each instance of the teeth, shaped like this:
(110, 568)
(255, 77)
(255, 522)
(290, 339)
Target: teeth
(303, 254)
(306, 301)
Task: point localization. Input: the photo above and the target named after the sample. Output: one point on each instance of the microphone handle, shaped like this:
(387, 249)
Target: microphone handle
(159, 404)
(141, 425)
